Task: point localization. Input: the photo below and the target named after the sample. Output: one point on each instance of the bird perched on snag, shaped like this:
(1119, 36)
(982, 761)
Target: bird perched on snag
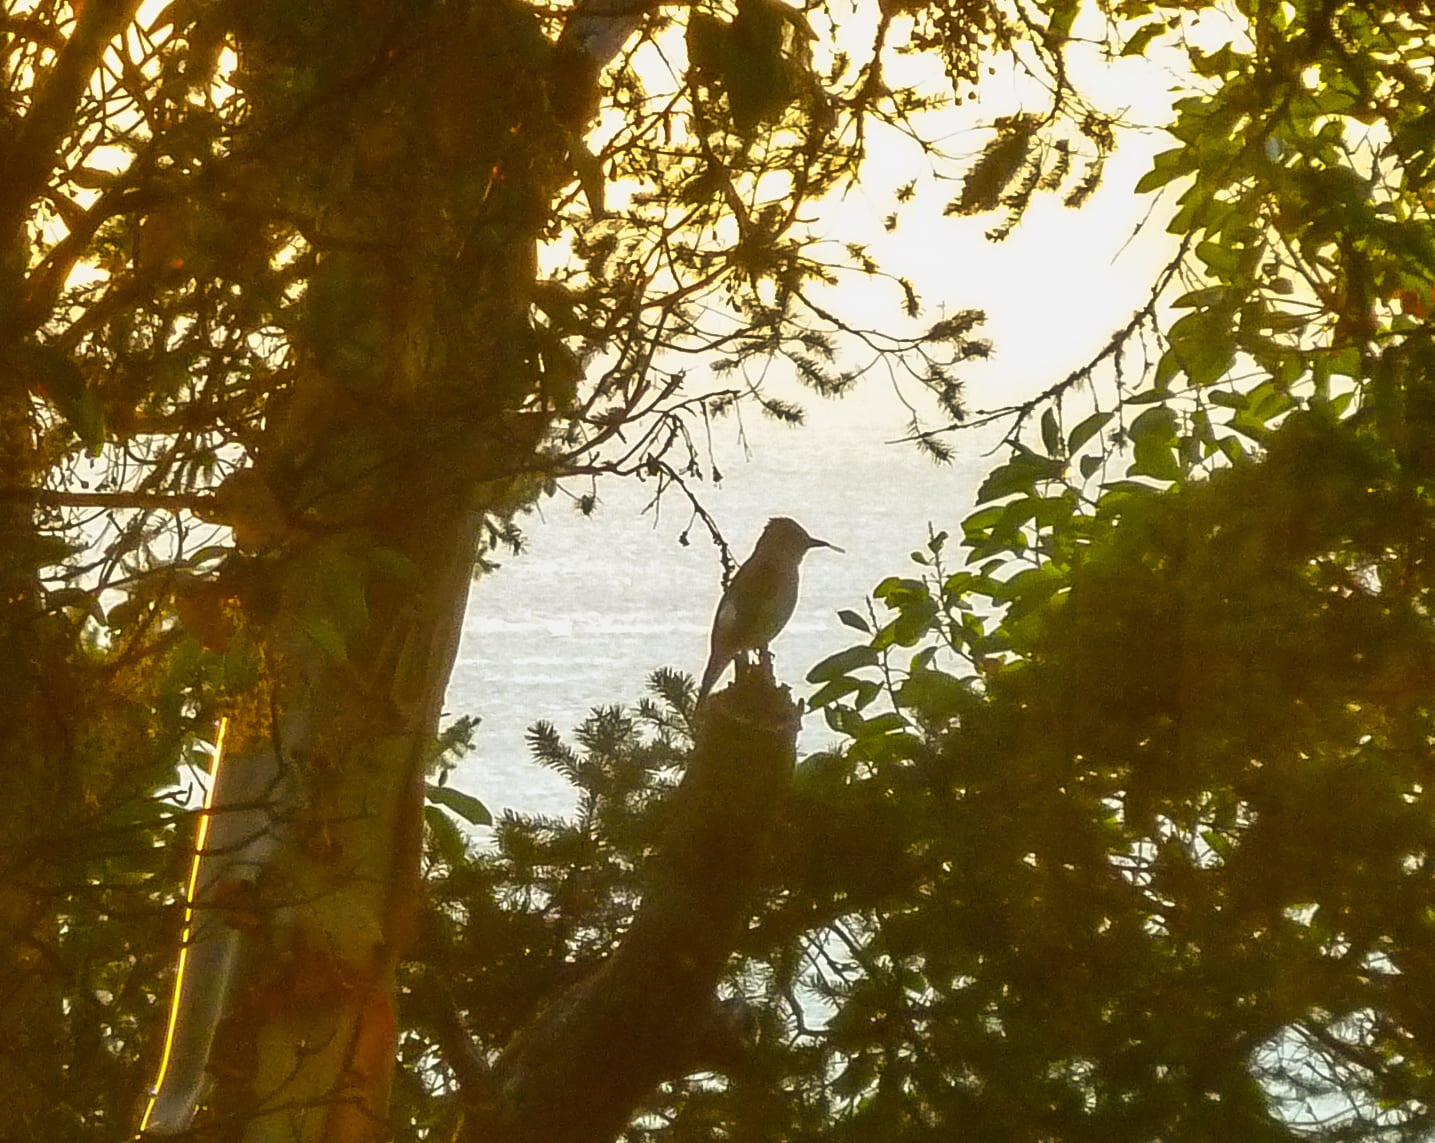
(761, 597)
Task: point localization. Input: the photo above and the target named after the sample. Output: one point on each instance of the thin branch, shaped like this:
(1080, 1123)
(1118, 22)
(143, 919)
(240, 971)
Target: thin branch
(143, 501)
(52, 115)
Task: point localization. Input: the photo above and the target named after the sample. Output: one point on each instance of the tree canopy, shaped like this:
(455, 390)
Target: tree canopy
(1128, 837)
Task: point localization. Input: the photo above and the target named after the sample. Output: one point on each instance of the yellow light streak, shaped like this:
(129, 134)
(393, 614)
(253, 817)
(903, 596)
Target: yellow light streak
(201, 835)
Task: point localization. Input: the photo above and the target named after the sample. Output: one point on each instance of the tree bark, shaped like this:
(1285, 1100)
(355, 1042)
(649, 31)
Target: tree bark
(650, 1013)
(425, 165)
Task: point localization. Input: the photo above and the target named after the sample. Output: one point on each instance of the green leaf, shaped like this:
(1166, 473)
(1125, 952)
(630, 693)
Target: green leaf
(884, 723)
(1031, 586)
(1222, 259)
(1062, 16)
(1051, 511)
(855, 621)
(908, 628)
(1005, 480)
(1142, 37)
(1020, 474)
(980, 523)
(1264, 404)
(894, 747)
(897, 591)
(934, 695)
(1204, 344)
(1203, 298)
(1153, 438)
(1157, 424)
(1087, 429)
(1050, 433)
(1165, 167)
(832, 691)
(962, 583)
(1152, 396)
(464, 805)
(1219, 62)
(842, 663)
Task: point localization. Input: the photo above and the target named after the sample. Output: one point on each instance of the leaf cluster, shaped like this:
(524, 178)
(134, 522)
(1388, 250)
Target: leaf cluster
(509, 924)
(1132, 843)
(1160, 850)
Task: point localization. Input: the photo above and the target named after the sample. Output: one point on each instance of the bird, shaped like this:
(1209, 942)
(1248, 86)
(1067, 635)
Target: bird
(761, 597)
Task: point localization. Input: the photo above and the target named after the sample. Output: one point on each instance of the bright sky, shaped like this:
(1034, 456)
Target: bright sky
(1056, 288)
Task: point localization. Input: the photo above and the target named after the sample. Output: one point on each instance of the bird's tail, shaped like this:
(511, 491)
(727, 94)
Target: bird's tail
(716, 666)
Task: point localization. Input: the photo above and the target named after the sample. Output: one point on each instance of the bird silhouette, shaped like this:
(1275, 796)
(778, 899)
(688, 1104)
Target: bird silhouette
(761, 597)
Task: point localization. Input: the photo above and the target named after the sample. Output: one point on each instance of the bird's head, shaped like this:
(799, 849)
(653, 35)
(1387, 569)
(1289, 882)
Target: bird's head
(789, 537)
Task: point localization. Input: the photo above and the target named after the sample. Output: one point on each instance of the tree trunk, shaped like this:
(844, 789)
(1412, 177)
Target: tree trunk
(650, 1013)
(424, 166)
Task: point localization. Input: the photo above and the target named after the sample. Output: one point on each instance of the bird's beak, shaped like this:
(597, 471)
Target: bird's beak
(814, 542)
